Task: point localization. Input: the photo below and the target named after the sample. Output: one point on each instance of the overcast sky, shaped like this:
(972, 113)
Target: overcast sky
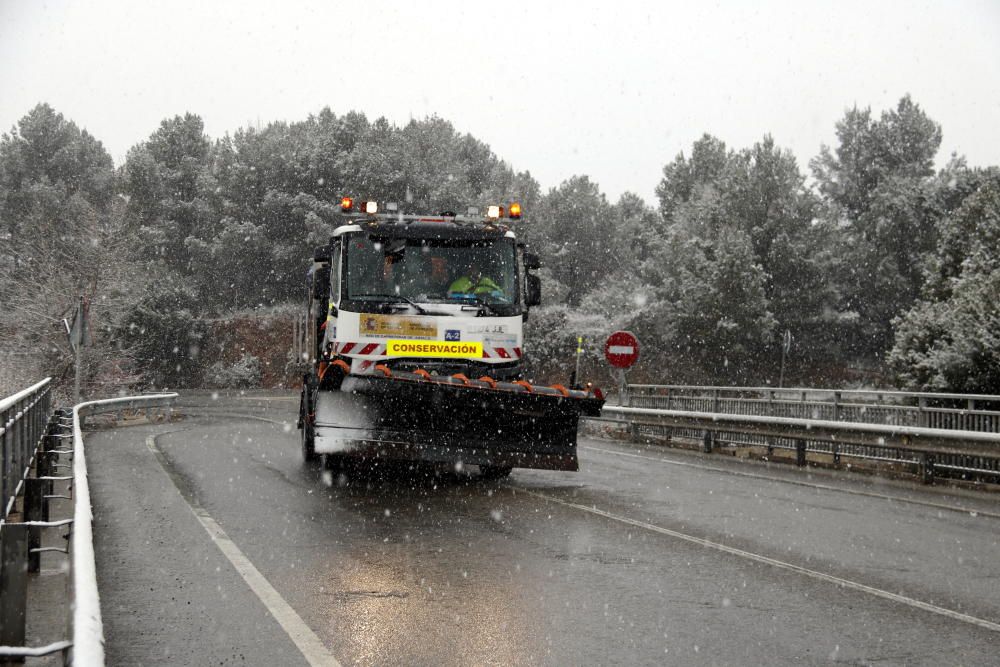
(610, 89)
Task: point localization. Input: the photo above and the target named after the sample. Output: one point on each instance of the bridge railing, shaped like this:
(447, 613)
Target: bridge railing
(932, 452)
(28, 513)
(23, 418)
(964, 412)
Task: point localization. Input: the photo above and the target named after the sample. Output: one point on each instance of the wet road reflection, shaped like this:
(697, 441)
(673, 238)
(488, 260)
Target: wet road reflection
(431, 566)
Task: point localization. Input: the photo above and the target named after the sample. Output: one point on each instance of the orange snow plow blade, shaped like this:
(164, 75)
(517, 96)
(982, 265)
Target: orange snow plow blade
(419, 416)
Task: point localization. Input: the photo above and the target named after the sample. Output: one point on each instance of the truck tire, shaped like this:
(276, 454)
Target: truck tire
(308, 443)
(308, 430)
(494, 472)
(335, 463)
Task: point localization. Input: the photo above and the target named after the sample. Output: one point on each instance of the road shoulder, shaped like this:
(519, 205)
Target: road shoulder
(190, 607)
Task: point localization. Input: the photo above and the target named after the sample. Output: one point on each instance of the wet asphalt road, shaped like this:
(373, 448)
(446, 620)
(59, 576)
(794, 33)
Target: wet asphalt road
(597, 567)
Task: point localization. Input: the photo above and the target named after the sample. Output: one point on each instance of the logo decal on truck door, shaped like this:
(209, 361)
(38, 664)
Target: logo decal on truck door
(395, 326)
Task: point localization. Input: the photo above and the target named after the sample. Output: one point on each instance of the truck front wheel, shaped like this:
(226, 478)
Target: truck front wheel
(337, 464)
(308, 429)
(308, 443)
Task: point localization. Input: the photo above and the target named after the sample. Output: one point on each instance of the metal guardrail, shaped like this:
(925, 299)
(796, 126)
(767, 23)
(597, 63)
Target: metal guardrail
(86, 645)
(933, 451)
(965, 412)
(23, 417)
(88, 629)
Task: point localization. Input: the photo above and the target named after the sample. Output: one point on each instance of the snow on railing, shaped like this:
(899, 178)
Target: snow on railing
(793, 391)
(816, 425)
(21, 425)
(934, 450)
(11, 400)
(28, 433)
(88, 629)
(962, 412)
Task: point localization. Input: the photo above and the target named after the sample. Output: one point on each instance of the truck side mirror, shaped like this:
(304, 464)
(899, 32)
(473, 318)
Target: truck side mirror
(534, 295)
(531, 261)
(322, 254)
(321, 284)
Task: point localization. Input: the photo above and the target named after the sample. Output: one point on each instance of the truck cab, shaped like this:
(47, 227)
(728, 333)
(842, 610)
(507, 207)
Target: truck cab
(424, 279)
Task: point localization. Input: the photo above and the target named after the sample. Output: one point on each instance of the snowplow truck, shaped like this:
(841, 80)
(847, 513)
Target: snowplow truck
(416, 331)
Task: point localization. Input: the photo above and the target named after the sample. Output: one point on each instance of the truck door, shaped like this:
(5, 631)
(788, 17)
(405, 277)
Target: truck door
(333, 301)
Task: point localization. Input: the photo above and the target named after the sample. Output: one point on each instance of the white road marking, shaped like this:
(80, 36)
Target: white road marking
(237, 415)
(825, 487)
(302, 636)
(266, 398)
(844, 583)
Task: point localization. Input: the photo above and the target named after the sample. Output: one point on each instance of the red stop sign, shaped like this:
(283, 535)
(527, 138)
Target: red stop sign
(621, 349)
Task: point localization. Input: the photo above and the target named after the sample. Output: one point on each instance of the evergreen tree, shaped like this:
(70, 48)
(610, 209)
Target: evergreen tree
(63, 236)
(171, 191)
(950, 339)
(876, 186)
(575, 230)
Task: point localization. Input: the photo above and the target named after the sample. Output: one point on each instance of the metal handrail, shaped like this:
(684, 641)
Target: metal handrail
(812, 390)
(11, 400)
(974, 412)
(24, 422)
(86, 646)
(21, 427)
(815, 425)
(965, 451)
(34, 652)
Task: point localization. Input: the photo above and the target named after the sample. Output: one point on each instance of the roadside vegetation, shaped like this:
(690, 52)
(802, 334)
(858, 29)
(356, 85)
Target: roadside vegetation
(883, 268)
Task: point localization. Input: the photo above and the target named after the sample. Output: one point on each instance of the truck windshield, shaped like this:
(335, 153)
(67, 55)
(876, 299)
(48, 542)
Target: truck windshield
(456, 271)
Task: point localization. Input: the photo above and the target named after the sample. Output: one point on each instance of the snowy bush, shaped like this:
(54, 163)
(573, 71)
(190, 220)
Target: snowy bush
(164, 332)
(244, 374)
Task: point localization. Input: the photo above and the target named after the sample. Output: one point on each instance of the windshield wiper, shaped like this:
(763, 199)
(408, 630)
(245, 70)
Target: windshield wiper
(482, 306)
(396, 299)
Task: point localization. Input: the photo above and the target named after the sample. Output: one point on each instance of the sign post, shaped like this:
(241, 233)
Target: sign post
(786, 345)
(78, 337)
(621, 349)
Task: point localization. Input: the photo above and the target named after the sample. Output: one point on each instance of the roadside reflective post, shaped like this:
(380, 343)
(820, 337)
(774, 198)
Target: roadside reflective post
(800, 453)
(579, 351)
(927, 468)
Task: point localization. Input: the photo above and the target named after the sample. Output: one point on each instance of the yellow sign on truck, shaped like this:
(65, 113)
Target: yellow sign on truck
(434, 348)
